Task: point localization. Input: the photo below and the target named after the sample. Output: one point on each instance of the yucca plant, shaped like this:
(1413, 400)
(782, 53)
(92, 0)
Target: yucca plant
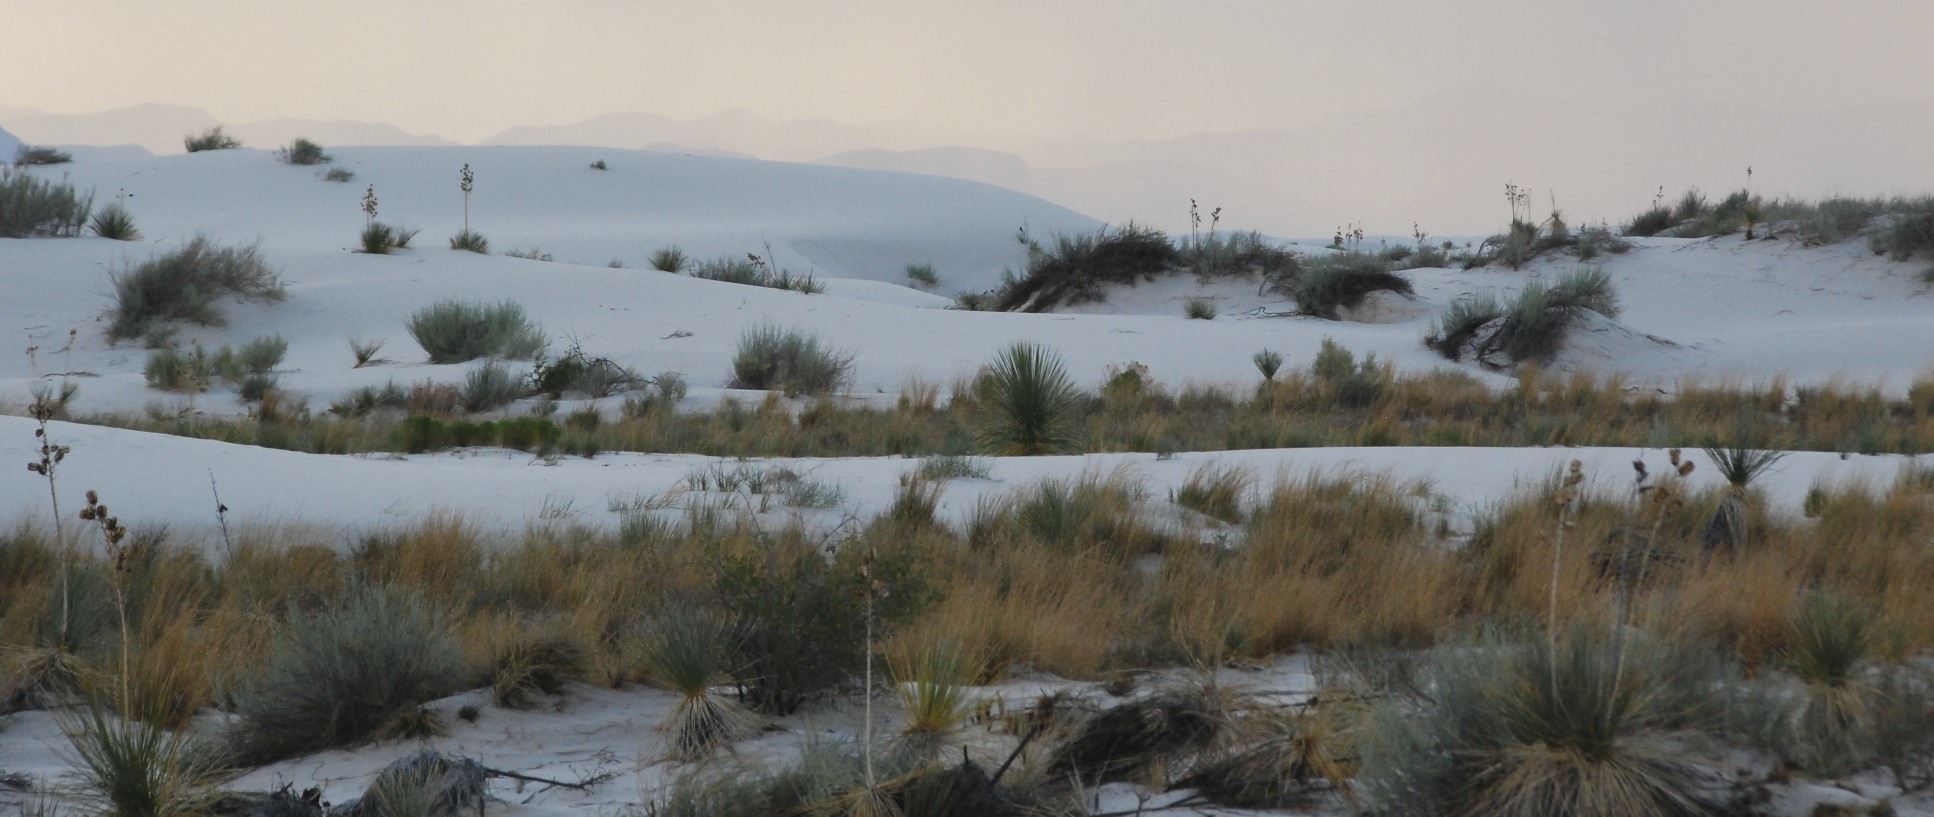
(1832, 643)
(1740, 466)
(933, 686)
(670, 259)
(1032, 403)
(114, 222)
(1268, 362)
(135, 768)
(1577, 726)
(688, 653)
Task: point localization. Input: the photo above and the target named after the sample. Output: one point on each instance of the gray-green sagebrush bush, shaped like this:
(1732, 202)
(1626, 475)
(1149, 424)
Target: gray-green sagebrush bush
(186, 285)
(340, 674)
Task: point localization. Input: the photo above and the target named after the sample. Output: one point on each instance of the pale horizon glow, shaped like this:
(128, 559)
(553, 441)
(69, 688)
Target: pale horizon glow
(1074, 70)
(1297, 115)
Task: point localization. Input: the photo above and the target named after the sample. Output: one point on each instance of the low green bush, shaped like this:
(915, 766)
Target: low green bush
(186, 285)
(31, 206)
(456, 331)
(1343, 281)
(1080, 266)
(302, 152)
(787, 360)
(31, 155)
(211, 139)
(337, 675)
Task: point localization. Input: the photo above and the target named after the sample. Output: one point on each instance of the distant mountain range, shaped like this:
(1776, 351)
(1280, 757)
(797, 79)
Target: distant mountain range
(1441, 163)
(161, 128)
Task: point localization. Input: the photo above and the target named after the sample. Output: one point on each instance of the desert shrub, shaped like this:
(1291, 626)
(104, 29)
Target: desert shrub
(1341, 378)
(185, 285)
(922, 275)
(382, 239)
(667, 388)
(945, 467)
(1907, 235)
(1593, 242)
(31, 206)
(114, 222)
(532, 254)
(670, 259)
(799, 617)
(1451, 330)
(29, 155)
(1579, 723)
(1079, 267)
(1268, 362)
(263, 354)
(1201, 309)
(576, 371)
(136, 768)
(1692, 205)
(1342, 281)
(534, 664)
(211, 139)
(1031, 403)
(470, 240)
(491, 386)
(785, 359)
(1533, 325)
(456, 331)
(338, 675)
(338, 174)
(1216, 492)
(688, 651)
(1229, 254)
(171, 370)
(934, 686)
(753, 271)
(1830, 726)
(528, 433)
(302, 152)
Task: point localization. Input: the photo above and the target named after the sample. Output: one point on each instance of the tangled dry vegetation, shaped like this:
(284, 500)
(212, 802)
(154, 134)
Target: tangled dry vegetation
(324, 639)
(1335, 399)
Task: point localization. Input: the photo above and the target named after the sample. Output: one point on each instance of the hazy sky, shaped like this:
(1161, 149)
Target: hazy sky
(466, 69)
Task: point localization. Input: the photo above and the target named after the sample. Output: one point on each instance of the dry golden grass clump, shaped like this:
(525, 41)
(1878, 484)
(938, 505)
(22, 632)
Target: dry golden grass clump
(1073, 577)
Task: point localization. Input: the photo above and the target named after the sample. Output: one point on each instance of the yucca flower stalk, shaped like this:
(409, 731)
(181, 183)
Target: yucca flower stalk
(467, 181)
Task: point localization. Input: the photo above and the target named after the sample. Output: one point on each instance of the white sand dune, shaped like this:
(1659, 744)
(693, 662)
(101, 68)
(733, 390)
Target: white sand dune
(1692, 309)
